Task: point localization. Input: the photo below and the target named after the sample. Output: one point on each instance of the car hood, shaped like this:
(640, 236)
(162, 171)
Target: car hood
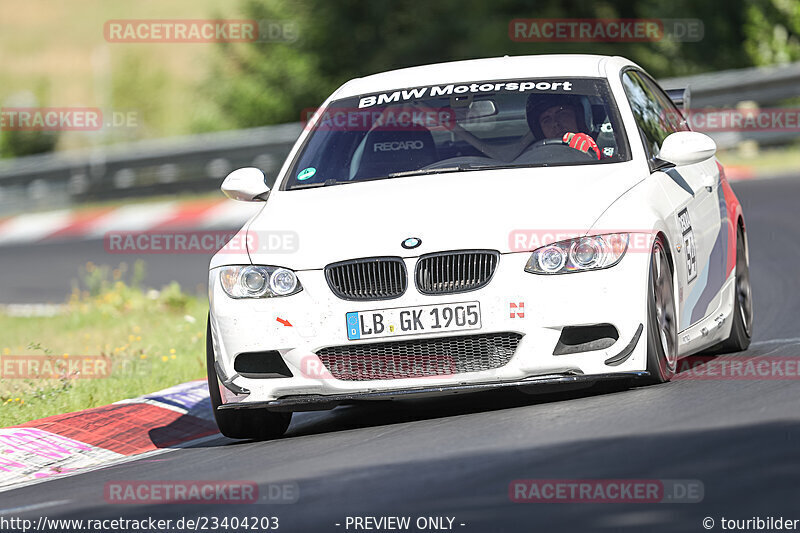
(467, 210)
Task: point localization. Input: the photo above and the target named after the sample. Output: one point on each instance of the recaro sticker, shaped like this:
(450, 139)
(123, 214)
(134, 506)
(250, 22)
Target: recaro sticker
(398, 145)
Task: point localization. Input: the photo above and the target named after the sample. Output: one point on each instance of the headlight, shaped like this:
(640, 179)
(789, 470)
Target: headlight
(258, 281)
(283, 282)
(577, 255)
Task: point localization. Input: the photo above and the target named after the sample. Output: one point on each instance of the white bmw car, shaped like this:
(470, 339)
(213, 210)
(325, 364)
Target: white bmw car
(474, 225)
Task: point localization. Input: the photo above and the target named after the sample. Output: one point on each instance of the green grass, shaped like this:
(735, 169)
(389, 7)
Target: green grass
(58, 52)
(152, 339)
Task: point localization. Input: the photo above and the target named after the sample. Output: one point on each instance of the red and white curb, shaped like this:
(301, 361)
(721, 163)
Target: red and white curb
(739, 173)
(94, 223)
(207, 214)
(73, 443)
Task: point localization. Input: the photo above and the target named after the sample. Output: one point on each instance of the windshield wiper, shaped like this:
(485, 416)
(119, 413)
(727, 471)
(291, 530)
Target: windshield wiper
(507, 166)
(405, 173)
(461, 168)
(425, 171)
(325, 183)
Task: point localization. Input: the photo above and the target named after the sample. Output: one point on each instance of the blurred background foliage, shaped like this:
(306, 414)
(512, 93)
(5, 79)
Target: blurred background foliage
(178, 89)
(265, 83)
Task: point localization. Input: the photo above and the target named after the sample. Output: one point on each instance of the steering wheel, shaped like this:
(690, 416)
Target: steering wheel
(559, 142)
(547, 142)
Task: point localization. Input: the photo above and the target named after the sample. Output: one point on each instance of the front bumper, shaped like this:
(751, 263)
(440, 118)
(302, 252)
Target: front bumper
(315, 402)
(615, 296)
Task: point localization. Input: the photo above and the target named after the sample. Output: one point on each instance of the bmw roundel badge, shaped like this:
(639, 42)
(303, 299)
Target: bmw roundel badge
(411, 242)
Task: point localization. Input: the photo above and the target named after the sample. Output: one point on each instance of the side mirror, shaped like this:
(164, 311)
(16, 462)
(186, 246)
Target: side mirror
(687, 148)
(245, 184)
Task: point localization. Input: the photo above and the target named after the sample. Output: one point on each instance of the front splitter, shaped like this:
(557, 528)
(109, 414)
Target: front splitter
(318, 402)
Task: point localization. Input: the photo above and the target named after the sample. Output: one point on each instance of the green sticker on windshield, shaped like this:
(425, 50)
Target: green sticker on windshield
(306, 173)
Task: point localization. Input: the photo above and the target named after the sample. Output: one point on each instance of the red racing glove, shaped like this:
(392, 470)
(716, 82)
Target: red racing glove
(582, 142)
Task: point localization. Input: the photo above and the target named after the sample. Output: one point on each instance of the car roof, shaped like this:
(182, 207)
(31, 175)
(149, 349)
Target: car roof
(496, 68)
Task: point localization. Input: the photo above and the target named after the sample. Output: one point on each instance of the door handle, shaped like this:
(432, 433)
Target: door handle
(708, 182)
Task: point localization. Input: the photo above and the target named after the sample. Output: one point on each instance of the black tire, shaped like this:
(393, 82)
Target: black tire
(662, 326)
(255, 424)
(742, 327)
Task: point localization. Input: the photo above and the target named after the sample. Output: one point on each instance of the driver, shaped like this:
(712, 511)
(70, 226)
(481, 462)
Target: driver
(560, 117)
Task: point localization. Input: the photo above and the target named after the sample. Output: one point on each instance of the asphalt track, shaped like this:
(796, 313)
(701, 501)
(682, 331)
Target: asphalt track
(47, 272)
(456, 456)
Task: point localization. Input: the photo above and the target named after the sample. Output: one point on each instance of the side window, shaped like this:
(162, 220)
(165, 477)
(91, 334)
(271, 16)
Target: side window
(671, 112)
(651, 117)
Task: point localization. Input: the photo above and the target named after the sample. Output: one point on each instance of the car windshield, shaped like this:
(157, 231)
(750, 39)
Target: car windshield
(460, 127)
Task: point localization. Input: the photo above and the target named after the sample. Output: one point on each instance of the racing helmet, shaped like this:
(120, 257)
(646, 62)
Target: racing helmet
(538, 103)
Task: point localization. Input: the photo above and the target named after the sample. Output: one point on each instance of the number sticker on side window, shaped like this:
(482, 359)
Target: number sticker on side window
(688, 245)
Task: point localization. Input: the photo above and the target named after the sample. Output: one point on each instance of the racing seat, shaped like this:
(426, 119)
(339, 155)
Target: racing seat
(602, 133)
(389, 151)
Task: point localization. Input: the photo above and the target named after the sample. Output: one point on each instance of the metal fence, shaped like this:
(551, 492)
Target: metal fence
(763, 86)
(198, 163)
(166, 166)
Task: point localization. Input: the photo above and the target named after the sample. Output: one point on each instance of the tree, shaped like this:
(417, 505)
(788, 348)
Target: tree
(772, 30)
(272, 82)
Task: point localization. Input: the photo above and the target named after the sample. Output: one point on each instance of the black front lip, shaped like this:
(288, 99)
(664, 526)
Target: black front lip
(314, 402)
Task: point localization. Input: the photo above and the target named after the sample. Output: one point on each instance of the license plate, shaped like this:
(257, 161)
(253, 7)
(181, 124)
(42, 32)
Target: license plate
(413, 320)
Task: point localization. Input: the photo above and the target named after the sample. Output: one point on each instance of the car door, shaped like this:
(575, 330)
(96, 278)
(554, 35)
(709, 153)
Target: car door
(692, 190)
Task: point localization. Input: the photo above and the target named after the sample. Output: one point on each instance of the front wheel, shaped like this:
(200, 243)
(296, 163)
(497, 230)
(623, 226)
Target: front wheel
(662, 327)
(255, 424)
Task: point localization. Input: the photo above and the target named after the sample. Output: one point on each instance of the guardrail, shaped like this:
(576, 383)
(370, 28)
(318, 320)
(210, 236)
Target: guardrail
(198, 163)
(765, 86)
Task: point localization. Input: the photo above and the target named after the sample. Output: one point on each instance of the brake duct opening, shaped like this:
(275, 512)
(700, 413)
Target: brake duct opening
(578, 339)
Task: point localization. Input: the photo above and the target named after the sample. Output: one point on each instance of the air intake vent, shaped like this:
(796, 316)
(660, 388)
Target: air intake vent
(454, 272)
(442, 356)
(268, 364)
(374, 278)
